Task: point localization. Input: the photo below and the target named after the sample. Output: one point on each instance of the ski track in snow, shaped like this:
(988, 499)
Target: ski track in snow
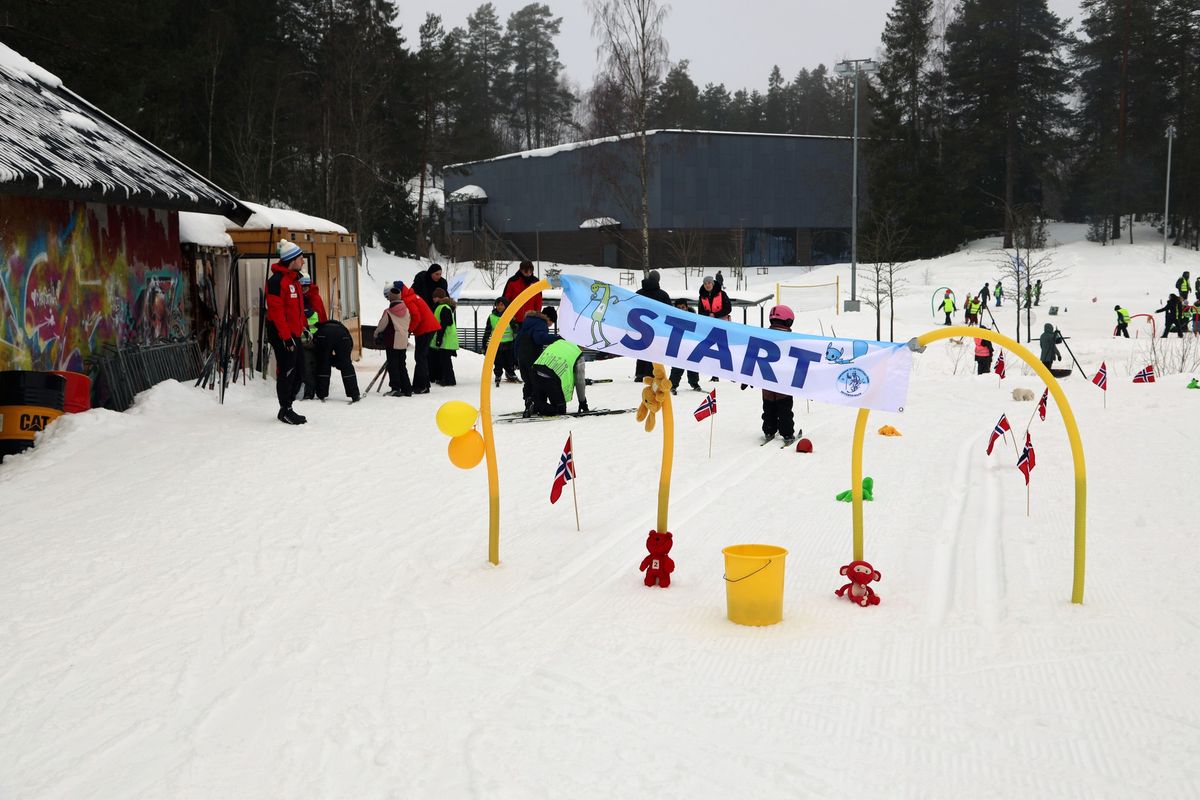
(215, 605)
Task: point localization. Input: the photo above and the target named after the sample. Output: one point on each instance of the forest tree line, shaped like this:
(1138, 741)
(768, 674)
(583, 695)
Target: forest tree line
(983, 113)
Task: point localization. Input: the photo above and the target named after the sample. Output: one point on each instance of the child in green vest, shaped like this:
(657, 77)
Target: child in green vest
(557, 374)
(445, 342)
(506, 355)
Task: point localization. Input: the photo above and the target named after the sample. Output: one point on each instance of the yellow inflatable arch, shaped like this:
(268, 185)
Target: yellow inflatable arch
(489, 441)
(1060, 398)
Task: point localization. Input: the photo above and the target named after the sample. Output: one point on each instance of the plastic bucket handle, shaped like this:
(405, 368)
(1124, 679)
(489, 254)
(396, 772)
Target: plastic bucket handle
(760, 569)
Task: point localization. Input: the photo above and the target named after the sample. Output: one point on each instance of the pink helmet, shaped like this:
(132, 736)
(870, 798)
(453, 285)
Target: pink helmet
(781, 314)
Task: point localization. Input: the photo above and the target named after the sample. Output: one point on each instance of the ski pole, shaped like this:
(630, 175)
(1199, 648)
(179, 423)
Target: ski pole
(1058, 333)
(372, 383)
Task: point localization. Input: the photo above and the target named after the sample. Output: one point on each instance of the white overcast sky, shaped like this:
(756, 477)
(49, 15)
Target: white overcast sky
(734, 42)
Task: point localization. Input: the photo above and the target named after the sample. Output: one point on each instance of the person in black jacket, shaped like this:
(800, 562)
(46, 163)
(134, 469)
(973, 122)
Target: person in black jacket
(1174, 316)
(332, 346)
(424, 282)
(652, 291)
(714, 302)
(677, 372)
(531, 341)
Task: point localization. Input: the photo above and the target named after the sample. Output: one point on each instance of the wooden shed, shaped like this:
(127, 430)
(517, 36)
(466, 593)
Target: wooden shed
(332, 253)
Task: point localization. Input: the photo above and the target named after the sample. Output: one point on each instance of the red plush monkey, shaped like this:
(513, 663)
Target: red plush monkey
(658, 566)
(860, 573)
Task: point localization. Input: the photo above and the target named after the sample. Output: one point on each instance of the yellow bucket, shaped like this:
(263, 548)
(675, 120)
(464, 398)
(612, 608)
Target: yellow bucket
(754, 583)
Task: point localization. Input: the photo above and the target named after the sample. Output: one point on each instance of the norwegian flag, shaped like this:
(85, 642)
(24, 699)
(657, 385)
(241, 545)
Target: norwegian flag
(1146, 375)
(1027, 461)
(707, 408)
(1000, 365)
(998, 431)
(1101, 378)
(1042, 404)
(566, 472)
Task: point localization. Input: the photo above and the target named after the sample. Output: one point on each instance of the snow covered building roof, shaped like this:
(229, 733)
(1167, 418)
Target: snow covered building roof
(53, 143)
(600, 222)
(264, 217)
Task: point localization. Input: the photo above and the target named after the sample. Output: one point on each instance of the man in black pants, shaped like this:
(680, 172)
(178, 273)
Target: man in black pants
(285, 326)
(332, 346)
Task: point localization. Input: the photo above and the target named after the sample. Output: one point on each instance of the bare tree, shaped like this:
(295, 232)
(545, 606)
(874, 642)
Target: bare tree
(686, 246)
(634, 51)
(488, 260)
(884, 248)
(1027, 262)
(734, 256)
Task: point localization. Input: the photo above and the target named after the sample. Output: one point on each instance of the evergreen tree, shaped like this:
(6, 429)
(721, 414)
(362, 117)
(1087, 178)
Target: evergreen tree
(539, 106)
(1123, 109)
(484, 61)
(1006, 78)
(908, 188)
(776, 116)
(676, 104)
(713, 107)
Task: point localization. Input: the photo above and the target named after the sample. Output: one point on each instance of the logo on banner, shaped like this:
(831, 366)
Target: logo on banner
(833, 354)
(852, 382)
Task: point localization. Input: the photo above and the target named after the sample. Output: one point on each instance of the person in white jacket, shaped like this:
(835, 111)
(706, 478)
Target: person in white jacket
(392, 334)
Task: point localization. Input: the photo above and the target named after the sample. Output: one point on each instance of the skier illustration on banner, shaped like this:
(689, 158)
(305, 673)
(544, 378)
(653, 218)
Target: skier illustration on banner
(601, 294)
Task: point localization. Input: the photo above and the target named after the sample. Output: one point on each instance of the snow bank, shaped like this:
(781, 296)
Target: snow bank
(190, 612)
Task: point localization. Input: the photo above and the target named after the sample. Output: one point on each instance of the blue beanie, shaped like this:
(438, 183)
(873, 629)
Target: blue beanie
(288, 251)
(398, 286)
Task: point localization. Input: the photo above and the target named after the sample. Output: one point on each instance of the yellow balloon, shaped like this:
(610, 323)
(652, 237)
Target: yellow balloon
(456, 417)
(466, 451)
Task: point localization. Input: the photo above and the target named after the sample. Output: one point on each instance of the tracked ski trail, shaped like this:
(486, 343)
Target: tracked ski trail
(968, 564)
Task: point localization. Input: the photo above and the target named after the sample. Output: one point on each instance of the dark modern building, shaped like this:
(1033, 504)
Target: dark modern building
(716, 200)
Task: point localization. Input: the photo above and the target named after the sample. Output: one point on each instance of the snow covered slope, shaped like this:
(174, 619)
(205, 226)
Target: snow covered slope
(196, 601)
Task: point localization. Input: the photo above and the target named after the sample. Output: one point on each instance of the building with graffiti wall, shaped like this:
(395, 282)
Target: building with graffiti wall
(89, 227)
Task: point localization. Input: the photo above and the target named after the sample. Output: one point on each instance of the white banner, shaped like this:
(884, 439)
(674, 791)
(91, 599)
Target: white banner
(846, 372)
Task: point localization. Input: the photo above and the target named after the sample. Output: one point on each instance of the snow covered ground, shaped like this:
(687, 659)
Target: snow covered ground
(196, 601)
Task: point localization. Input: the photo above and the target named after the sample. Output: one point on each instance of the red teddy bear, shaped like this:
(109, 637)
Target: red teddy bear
(658, 566)
(861, 574)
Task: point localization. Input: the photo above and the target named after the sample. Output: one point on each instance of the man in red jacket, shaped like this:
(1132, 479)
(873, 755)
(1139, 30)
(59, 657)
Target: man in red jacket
(422, 325)
(285, 325)
(517, 284)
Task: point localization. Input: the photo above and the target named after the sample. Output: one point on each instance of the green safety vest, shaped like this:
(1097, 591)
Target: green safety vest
(948, 304)
(974, 306)
(560, 357)
(1123, 315)
(1184, 286)
(449, 333)
(999, 290)
(312, 323)
(494, 320)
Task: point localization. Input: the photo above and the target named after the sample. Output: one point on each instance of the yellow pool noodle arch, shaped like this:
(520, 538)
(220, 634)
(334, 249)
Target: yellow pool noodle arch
(1060, 398)
(485, 413)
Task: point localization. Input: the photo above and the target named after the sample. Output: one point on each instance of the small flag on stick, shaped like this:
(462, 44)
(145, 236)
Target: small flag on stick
(1146, 375)
(1026, 463)
(1041, 409)
(708, 407)
(1001, 427)
(565, 472)
(1101, 378)
(1000, 365)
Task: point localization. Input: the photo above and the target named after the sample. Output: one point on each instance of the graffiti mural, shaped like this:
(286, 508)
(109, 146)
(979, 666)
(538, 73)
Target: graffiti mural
(75, 277)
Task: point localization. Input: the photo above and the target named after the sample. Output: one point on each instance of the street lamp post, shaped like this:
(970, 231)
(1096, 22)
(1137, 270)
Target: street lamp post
(845, 69)
(1167, 203)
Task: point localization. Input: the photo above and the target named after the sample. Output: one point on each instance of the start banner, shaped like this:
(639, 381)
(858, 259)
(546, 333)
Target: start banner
(847, 372)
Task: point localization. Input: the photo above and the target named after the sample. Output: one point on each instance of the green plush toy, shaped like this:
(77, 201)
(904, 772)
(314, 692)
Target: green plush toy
(1194, 384)
(868, 493)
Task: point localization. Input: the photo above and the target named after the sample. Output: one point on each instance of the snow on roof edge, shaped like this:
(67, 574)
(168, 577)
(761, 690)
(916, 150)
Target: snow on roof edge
(206, 230)
(21, 67)
(265, 217)
(541, 152)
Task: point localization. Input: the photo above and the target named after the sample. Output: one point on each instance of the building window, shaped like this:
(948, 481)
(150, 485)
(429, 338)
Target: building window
(831, 246)
(769, 247)
(348, 286)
